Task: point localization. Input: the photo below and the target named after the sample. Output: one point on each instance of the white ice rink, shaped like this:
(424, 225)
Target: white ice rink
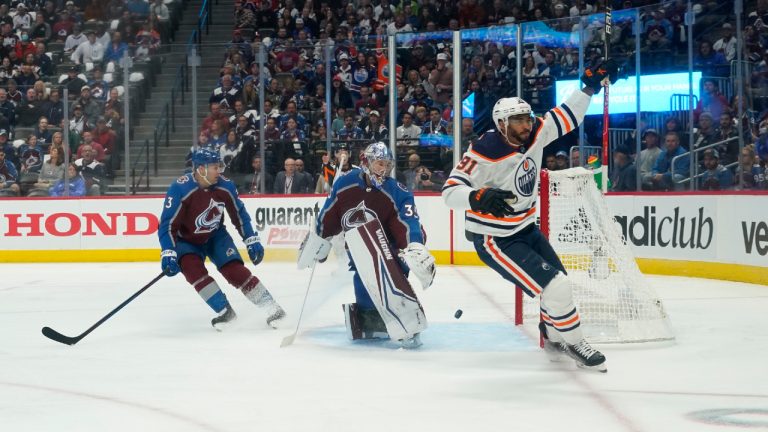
(159, 366)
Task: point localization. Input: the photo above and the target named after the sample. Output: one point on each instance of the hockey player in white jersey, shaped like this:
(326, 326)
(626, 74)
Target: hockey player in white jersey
(496, 183)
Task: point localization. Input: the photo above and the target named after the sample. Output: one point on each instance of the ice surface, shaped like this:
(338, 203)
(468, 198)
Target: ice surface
(159, 366)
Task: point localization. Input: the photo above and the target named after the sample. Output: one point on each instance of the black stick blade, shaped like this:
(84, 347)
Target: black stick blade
(58, 337)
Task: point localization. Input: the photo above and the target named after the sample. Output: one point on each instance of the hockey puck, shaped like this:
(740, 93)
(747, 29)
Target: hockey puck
(458, 313)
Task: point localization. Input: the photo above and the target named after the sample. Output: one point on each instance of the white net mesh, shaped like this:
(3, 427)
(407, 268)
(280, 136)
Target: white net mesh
(615, 302)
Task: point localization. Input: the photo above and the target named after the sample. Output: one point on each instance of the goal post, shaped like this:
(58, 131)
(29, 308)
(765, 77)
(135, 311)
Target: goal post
(616, 303)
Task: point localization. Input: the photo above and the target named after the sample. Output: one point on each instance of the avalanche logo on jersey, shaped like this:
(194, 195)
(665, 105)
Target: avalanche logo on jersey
(210, 218)
(525, 177)
(357, 216)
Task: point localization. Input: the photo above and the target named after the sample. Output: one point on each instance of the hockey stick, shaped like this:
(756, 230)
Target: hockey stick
(606, 84)
(288, 340)
(58, 337)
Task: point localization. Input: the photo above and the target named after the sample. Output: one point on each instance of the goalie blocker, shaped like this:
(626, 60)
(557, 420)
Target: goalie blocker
(382, 275)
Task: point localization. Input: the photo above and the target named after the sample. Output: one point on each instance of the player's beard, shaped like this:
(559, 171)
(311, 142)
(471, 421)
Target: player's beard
(514, 139)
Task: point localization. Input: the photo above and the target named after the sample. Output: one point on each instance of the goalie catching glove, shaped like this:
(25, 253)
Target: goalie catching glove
(313, 248)
(420, 261)
(493, 201)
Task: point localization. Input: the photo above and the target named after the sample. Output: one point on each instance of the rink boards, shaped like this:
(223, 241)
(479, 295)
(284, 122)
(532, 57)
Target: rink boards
(723, 236)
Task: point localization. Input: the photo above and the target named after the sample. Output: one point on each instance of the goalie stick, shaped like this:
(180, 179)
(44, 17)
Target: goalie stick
(288, 340)
(68, 340)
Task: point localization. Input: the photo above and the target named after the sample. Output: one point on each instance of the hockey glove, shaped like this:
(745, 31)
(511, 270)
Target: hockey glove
(313, 248)
(493, 201)
(593, 77)
(169, 263)
(255, 249)
(421, 263)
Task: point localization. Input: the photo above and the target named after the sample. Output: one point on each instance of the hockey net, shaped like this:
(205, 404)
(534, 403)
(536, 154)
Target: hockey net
(616, 303)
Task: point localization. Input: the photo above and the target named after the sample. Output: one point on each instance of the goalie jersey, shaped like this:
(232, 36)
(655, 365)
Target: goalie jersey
(352, 203)
(491, 162)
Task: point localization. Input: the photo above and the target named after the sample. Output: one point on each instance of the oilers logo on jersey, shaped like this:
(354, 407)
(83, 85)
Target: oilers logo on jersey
(525, 177)
(357, 216)
(210, 218)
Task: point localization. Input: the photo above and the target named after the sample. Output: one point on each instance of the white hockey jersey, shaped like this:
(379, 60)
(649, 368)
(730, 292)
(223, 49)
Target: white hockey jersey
(491, 162)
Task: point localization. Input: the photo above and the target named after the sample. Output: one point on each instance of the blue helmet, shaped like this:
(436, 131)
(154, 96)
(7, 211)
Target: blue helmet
(205, 156)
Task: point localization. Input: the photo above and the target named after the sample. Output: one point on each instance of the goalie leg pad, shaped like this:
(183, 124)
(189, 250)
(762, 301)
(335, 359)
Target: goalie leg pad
(558, 310)
(194, 271)
(379, 270)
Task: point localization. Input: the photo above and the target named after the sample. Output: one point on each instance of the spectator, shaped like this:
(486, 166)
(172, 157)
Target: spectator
(292, 113)
(99, 86)
(441, 80)
(43, 135)
(215, 114)
(229, 151)
(561, 159)
(31, 160)
(749, 169)
(162, 18)
(410, 176)
(91, 107)
(340, 96)
(40, 32)
(705, 134)
(728, 151)
(53, 109)
(550, 162)
(226, 94)
(375, 131)
(51, 172)
(8, 176)
(249, 95)
(89, 144)
(649, 155)
(624, 176)
(62, 28)
(139, 9)
(23, 20)
(91, 170)
(74, 39)
(350, 131)
(76, 182)
(436, 124)
(9, 40)
(716, 176)
(29, 110)
(105, 136)
(43, 61)
(287, 182)
(27, 78)
(661, 175)
(117, 48)
(711, 100)
(271, 132)
(308, 179)
(408, 133)
(710, 62)
(252, 184)
(726, 45)
(425, 180)
(89, 51)
(73, 82)
(79, 122)
(217, 135)
(468, 135)
(7, 109)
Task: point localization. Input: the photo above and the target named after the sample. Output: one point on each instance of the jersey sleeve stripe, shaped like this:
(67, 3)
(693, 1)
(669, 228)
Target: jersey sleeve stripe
(557, 123)
(448, 186)
(501, 219)
(460, 179)
(562, 118)
(568, 111)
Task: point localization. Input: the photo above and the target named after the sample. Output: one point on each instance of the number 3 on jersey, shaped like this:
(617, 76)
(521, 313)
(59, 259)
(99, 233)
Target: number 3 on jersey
(467, 165)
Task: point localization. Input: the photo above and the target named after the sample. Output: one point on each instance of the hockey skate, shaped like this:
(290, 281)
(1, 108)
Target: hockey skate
(587, 357)
(263, 299)
(226, 316)
(411, 342)
(555, 351)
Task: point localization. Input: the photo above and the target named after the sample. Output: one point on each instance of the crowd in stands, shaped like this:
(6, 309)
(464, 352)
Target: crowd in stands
(47, 47)
(296, 35)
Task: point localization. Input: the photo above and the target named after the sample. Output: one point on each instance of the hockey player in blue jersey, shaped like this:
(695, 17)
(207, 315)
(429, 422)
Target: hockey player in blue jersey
(368, 197)
(496, 184)
(192, 229)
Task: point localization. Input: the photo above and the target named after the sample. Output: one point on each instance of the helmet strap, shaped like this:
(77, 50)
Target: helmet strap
(204, 177)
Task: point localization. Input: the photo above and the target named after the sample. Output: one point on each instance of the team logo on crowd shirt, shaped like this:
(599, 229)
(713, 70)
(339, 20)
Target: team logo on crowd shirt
(210, 218)
(357, 216)
(525, 177)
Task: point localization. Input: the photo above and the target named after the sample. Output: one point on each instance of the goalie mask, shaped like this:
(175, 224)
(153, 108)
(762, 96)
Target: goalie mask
(377, 162)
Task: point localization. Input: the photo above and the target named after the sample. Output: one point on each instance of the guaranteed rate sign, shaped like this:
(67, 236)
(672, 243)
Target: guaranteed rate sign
(656, 92)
